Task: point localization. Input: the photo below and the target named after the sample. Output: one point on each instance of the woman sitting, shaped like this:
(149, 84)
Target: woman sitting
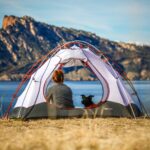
(60, 94)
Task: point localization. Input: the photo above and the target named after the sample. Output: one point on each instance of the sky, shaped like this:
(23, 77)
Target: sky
(117, 20)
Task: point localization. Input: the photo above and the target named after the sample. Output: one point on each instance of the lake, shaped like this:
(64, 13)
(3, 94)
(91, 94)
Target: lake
(7, 89)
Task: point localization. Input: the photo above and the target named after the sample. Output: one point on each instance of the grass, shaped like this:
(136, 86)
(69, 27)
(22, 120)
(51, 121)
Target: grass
(75, 134)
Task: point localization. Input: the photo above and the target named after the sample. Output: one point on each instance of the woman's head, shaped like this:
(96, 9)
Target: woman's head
(58, 76)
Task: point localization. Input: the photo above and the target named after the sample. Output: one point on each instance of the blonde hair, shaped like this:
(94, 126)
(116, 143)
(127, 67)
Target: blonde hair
(58, 76)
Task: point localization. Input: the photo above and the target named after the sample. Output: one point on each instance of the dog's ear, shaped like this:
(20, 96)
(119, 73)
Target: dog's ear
(83, 96)
(91, 96)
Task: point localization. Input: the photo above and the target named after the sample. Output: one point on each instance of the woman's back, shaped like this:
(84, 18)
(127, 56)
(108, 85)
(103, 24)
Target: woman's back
(61, 95)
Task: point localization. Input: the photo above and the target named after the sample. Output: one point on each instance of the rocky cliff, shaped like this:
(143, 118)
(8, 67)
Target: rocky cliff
(24, 40)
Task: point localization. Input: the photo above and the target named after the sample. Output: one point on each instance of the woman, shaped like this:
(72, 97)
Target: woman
(60, 94)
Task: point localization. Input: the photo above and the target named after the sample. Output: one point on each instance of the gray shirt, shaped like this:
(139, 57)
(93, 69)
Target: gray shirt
(61, 95)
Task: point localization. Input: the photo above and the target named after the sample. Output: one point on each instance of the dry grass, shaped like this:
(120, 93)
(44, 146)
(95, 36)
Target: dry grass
(76, 134)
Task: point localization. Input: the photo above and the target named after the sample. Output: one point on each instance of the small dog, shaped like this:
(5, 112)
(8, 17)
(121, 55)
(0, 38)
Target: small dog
(87, 101)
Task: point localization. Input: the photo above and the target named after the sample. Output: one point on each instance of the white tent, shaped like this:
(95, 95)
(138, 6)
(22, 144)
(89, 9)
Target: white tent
(116, 100)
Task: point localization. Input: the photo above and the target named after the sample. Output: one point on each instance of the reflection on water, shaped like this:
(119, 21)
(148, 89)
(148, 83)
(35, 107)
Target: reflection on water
(79, 88)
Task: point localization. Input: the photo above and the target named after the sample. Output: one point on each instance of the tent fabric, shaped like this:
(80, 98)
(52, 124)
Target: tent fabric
(113, 87)
(108, 109)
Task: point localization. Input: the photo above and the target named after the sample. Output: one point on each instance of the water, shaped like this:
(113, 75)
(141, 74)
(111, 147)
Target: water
(85, 87)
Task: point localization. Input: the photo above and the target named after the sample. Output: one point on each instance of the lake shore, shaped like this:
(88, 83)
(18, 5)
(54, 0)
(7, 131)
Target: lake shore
(75, 134)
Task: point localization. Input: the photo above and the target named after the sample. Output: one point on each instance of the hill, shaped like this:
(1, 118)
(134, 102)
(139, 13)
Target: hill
(24, 40)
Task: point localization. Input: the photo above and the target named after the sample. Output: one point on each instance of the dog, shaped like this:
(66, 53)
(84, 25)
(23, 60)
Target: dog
(87, 101)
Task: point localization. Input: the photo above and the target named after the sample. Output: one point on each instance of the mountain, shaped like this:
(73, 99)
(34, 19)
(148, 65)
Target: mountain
(24, 40)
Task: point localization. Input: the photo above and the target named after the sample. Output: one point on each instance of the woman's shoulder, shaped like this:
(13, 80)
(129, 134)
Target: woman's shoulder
(59, 85)
(66, 86)
(52, 87)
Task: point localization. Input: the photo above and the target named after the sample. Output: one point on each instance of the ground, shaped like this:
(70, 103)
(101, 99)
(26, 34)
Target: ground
(75, 134)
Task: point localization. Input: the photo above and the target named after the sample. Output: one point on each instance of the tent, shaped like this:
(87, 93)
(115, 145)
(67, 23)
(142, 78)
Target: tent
(116, 101)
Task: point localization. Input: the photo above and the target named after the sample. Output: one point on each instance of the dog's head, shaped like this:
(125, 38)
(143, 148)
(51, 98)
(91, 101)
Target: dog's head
(87, 100)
